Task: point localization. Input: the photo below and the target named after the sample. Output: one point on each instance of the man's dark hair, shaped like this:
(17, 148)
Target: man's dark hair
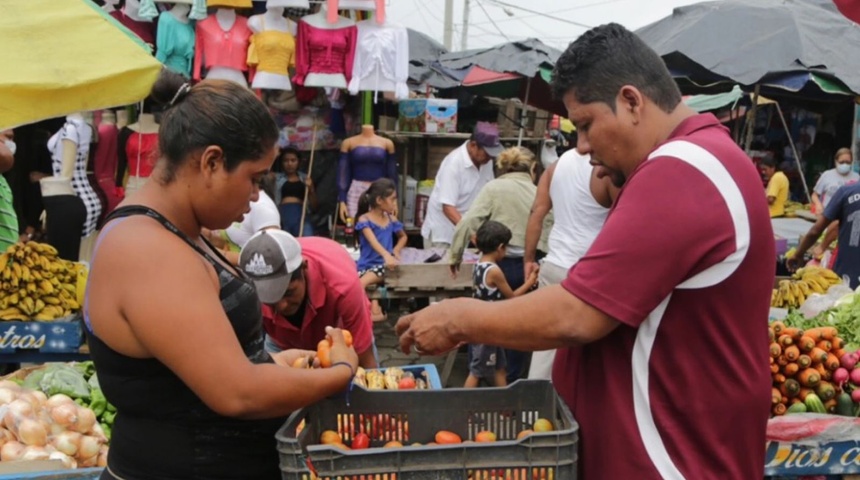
(768, 162)
(606, 58)
(491, 235)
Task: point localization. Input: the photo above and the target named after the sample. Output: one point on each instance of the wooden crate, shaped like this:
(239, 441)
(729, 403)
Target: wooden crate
(429, 275)
(510, 116)
(437, 150)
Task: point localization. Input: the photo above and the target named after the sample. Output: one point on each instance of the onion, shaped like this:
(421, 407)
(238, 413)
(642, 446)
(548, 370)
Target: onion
(65, 414)
(68, 461)
(86, 420)
(17, 411)
(35, 453)
(11, 451)
(40, 396)
(31, 399)
(7, 436)
(88, 447)
(58, 399)
(10, 385)
(89, 462)
(7, 395)
(103, 456)
(99, 433)
(67, 442)
(33, 433)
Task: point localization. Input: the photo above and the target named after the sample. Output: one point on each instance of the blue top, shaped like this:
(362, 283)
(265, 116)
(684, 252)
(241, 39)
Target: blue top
(845, 207)
(384, 235)
(367, 164)
(175, 43)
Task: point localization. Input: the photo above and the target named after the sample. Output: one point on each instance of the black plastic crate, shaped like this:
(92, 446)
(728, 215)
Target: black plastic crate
(412, 416)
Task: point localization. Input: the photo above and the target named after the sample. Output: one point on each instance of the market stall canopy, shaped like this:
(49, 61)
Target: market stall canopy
(64, 56)
(849, 8)
(711, 46)
(520, 69)
(424, 68)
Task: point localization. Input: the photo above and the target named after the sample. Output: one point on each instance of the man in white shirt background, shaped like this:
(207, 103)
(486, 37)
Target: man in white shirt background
(461, 176)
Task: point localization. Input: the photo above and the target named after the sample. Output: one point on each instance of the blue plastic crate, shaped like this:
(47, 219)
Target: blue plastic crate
(78, 474)
(432, 374)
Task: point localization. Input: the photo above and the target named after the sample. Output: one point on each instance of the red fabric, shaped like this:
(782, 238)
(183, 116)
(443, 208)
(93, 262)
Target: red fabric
(708, 383)
(213, 47)
(849, 8)
(333, 6)
(321, 50)
(335, 298)
(143, 146)
(144, 30)
(104, 164)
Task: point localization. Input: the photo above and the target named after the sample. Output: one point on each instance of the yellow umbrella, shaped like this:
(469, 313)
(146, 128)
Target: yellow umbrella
(64, 56)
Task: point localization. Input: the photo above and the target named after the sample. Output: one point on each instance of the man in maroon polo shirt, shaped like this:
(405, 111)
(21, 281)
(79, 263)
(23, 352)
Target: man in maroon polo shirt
(671, 301)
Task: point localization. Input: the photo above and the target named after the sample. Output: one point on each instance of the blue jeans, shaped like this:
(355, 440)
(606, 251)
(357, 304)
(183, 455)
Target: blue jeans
(291, 219)
(513, 269)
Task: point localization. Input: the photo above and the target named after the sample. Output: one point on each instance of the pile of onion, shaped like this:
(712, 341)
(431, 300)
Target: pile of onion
(35, 427)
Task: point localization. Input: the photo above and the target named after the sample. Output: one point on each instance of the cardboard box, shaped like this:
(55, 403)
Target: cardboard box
(411, 115)
(441, 116)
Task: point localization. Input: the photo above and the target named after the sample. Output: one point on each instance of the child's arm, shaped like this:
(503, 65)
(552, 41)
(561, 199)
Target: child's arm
(390, 261)
(496, 278)
(401, 243)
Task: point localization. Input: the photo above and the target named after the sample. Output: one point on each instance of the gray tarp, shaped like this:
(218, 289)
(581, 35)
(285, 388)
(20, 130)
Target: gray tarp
(424, 53)
(523, 57)
(745, 40)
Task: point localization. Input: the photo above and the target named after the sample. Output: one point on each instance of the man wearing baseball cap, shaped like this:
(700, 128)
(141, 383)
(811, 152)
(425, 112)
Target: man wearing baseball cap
(461, 176)
(306, 285)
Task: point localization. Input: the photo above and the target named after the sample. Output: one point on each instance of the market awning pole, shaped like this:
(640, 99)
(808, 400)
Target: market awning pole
(751, 120)
(524, 113)
(310, 171)
(794, 150)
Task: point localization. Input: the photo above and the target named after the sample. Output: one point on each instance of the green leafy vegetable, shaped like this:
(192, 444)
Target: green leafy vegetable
(64, 379)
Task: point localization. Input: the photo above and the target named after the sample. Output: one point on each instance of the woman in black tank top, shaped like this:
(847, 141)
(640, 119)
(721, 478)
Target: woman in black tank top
(175, 331)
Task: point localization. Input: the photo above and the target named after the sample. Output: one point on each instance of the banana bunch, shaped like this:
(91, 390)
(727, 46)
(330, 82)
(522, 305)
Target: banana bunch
(35, 284)
(805, 281)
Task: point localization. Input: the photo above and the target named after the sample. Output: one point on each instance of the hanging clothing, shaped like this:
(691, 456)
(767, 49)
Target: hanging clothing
(105, 163)
(381, 60)
(186, 436)
(322, 50)
(229, 4)
(175, 42)
(137, 154)
(215, 47)
(144, 30)
(272, 51)
(81, 133)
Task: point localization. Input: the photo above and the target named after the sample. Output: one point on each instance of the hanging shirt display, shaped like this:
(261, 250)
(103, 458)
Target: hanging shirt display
(381, 59)
(272, 51)
(325, 51)
(377, 6)
(81, 133)
(175, 41)
(215, 47)
(144, 30)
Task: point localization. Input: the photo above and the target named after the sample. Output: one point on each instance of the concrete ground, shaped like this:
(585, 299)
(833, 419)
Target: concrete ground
(388, 347)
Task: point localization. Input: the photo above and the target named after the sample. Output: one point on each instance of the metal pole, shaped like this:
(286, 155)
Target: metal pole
(751, 120)
(464, 36)
(794, 150)
(524, 113)
(449, 24)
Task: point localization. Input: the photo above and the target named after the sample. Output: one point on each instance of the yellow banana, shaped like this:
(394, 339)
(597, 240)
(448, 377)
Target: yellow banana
(16, 270)
(13, 298)
(31, 287)
(4, 260)
(46, 249)
(47, 286)
(73, 304)
(51, 300)
(38, 306)
(804, 287)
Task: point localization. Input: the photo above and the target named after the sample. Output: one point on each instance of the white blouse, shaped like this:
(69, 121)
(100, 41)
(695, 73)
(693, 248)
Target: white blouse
(381, 59)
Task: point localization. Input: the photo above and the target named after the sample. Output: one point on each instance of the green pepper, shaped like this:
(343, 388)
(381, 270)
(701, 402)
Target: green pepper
(107, 429)
(108, 418)
(98, 402)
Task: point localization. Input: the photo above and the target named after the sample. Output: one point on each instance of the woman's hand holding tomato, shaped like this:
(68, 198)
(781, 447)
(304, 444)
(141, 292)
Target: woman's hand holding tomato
(337, 347)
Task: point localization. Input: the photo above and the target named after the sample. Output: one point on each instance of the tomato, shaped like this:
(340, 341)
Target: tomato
(330, 437)
(393, 444)
(543, 425)
(485, 436)
(347, 338)
(445, 437)
(525, 433)
(406, 383)
(324, 353)
(361, 441)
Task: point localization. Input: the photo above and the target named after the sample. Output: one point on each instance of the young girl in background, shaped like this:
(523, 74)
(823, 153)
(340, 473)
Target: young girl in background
(487, 362)
(291, 185)
(377, 226)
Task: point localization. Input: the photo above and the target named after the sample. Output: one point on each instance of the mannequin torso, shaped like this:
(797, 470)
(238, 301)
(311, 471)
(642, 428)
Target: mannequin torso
(138, 146)
(180, 12)
(175, 39)
(365, 157)
(226, 19)
(344, 44)
(289, 3)
(273, 41)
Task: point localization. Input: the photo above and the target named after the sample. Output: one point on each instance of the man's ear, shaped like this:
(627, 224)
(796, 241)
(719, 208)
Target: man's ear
(631, 101)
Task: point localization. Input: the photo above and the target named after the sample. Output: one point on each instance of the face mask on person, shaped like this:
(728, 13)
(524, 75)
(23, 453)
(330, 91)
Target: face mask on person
(11, 146)
(843, 168)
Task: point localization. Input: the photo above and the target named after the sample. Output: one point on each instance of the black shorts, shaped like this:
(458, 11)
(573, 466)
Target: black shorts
(484, 360)
(379, 270)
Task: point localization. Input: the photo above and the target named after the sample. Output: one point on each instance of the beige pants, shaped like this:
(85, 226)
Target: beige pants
(541, 367)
